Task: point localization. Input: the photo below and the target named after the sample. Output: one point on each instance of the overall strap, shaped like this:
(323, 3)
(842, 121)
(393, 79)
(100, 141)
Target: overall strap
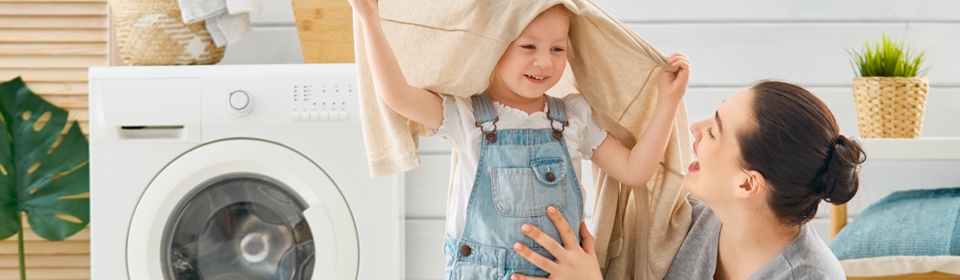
(484, 112)
(483, 108)
(556, 112)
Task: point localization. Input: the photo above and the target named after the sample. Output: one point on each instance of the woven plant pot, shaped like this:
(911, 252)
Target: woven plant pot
(151, 32)
(890, 107)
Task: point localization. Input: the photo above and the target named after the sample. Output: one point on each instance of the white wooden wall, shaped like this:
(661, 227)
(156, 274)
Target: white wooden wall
(732, 44)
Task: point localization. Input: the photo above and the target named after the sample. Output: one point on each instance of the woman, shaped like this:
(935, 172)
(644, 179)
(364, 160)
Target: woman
(765, 160)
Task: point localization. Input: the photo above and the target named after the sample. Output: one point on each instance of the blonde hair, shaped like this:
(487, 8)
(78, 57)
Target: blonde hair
(490, 83)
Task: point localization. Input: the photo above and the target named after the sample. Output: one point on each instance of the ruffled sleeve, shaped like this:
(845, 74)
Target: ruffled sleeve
(589, 134)
(451, 119)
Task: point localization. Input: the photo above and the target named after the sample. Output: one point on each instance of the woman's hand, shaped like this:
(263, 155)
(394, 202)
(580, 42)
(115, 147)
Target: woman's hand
(673, 85)
(572, 261)
(365, 8)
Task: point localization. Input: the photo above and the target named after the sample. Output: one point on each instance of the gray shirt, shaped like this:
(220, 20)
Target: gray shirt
(807, 257)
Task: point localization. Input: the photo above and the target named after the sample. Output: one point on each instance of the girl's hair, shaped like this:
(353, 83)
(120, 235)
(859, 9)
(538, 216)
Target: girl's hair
(797, 146)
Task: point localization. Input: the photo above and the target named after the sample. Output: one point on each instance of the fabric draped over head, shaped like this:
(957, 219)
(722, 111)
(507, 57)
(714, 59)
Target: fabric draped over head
(452, 46)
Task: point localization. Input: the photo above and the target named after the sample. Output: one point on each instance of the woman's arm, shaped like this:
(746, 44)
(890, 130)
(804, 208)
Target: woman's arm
(635, 167)
(414, 103)
(571, 260)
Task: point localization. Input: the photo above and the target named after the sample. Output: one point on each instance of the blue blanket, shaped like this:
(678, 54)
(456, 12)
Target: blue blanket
(905, 223)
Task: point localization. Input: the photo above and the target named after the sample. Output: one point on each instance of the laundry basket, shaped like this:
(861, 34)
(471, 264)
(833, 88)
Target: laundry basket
(151, 32)
(890, 107)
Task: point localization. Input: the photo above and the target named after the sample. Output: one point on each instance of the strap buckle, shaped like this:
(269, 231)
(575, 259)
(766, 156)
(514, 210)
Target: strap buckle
(492, 135)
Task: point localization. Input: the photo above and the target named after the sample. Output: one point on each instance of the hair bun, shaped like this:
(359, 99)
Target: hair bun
(839, 180)
(841, 140)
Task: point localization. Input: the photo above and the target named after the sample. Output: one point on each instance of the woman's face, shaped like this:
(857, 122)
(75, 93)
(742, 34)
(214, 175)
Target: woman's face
(716, 173)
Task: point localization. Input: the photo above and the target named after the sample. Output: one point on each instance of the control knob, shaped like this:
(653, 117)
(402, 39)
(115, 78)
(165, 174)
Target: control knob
(240, 103)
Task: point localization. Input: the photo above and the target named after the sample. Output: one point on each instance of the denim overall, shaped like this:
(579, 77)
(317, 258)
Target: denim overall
(520, 173)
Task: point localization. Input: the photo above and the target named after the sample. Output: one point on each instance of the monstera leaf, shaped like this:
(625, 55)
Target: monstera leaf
(40, 174)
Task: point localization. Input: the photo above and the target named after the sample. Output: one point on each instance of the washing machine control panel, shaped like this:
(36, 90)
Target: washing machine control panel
(322, 101)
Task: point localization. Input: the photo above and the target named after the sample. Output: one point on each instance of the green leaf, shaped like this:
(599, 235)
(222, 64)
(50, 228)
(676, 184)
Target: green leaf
(887, 58)
(37, 177)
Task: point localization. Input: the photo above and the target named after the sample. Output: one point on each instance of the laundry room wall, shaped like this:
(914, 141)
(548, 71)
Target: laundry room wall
(732, 44)
(51, 43)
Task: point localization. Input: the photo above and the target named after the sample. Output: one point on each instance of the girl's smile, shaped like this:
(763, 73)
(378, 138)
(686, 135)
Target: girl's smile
(536, 79)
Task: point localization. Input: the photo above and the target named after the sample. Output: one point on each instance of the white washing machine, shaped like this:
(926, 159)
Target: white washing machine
(236, 172)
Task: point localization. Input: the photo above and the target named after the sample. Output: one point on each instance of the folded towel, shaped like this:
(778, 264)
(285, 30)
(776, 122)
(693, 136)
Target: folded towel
(196, 10)
(228, 29)
(452, 46)
(243, 6)
(227, 21)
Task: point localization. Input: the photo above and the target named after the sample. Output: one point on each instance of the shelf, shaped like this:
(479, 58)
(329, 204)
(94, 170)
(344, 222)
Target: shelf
(933, 148)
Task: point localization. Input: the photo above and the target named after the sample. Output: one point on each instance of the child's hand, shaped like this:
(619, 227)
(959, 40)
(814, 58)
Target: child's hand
(365, 8)
(673, 85)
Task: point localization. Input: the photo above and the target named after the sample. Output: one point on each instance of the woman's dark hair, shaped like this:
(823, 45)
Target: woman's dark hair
(796, 145)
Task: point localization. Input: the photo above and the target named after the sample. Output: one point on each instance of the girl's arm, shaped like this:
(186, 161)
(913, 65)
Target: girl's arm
(635, 167)
(414, 103)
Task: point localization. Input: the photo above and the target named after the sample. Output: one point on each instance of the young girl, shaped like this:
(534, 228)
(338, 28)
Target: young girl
(519, 149)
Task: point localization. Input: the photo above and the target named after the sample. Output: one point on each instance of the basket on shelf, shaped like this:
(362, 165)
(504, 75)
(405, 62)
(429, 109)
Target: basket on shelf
(890, 90)
(151, 32)
(890, 107)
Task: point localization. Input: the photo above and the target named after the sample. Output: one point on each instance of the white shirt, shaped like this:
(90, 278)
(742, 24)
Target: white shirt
(582, 136)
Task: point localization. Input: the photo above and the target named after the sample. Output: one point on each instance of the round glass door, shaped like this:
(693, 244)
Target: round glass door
(242, 209)
(239, 226)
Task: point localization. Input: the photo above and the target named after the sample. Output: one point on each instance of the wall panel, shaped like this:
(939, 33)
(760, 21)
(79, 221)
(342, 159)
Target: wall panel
(50, 44)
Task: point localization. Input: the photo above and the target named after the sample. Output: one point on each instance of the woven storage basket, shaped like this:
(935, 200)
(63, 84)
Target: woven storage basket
(890, 107)
(151, 32)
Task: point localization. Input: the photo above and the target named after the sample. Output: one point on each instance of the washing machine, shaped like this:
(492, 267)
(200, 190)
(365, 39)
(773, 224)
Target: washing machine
(236, 172)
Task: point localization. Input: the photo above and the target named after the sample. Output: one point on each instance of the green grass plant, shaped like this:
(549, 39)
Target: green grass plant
(887, 58)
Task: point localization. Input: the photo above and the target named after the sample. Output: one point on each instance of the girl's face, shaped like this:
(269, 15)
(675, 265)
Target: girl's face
(715, 175)
(533, 62)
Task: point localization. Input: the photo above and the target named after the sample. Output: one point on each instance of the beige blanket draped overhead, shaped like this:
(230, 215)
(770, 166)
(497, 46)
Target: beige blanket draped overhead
(452, 46)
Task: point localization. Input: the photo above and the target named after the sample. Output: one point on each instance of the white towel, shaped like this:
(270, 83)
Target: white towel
(243, 6)
(196, 10)
(228, 29)
(228, 21)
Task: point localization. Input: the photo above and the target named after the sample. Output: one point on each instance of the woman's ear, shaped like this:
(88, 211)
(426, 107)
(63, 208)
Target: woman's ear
(753, 183)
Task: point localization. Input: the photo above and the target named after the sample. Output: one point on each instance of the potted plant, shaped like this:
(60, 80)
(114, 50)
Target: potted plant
(43, 171)
(890, 90)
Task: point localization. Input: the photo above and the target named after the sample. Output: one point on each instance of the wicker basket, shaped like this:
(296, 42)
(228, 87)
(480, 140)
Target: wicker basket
(890, 107)
(151, 32)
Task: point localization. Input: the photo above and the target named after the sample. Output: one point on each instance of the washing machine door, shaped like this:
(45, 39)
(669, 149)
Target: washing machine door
(242, 209)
